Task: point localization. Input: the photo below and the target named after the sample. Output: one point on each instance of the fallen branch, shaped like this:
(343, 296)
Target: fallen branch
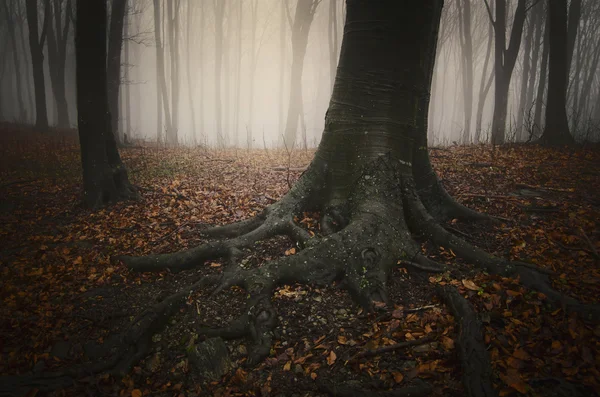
(592, 247)
(396, 346)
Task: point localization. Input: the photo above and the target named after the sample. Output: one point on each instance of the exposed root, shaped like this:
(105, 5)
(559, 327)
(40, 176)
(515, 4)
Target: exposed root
(529, 275)
(474, 357)
(419, 389)
(439, 204)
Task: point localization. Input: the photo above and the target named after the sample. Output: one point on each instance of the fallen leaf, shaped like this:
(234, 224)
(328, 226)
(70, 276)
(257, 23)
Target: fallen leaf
(470, 285)
(287, 366)
(136, 393)
(397, 377)
(331, 358)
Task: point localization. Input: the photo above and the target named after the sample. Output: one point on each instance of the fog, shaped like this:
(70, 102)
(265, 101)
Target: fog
(262, 51)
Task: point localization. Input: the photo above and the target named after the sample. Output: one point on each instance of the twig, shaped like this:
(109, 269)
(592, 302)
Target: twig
(592, 247)
(396, 346)
(170, 234)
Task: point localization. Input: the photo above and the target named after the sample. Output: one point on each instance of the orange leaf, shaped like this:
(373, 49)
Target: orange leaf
(331, 358)
(287, 366)
(313, 375)
(397, 377)
(136, 393)
(470, 285)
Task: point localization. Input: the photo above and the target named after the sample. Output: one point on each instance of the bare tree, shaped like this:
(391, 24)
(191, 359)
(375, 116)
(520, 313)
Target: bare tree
(8, 11)
(505, 58)
(162, 98)
(466, 46)
(105, 177)
(115, 47)
(36, 45)
(303, 17)
(556, 129)
(58, 34)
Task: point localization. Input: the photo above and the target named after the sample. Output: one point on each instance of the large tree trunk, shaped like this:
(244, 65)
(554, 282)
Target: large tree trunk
(556, 130)
(104, 175)
(113, 70)
(332, 35)
(36, 46)
(364, 183)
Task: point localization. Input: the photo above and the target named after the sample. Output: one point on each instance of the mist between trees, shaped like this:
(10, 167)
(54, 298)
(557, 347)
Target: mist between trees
(259, 73)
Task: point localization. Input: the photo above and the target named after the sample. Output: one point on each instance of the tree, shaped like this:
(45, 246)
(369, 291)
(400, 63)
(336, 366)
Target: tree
(372, 183)
(105, 177)
(162, 98)
(113, 70)
(556, 129)
(305, 12)
(505, 59)
(466, 47)
(36, 45)
(8, 11)
(58, 35)
(219, 6)
(173, 26)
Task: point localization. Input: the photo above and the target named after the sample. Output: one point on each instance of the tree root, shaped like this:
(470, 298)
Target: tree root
(419, 389)
(529, 275)
(477, 369)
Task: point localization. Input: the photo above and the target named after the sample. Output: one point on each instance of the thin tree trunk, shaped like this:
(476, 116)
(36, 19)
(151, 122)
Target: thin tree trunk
(543, 77)
(466, 46)
(505, 59)
(282, 41)
(484, 87)
(525, 77)
(36, 45)
(163, 98)
(127, 87)
(533, 72)
(305, 11)
(115, 46)
(16, 64)
(251, 77)
(190, 86)
(219, 17)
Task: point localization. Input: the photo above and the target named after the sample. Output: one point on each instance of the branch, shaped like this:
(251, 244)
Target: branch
(489, 10)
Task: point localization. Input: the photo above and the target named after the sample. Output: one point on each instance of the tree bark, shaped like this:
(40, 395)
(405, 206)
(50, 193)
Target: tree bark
(332, 35)
(523, 106)
(556, 130)
(104, 175)
(36, 45)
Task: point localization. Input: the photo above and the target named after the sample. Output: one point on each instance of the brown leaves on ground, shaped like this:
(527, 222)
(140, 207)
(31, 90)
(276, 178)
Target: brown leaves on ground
(54, 254)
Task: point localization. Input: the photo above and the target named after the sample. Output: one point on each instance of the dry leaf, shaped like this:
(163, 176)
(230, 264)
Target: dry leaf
(136, 393)
(287, 366)
(331, 358)
(397, 377)
(470, 285)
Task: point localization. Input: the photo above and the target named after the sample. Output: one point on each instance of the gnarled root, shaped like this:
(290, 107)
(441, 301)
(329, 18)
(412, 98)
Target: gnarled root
(475, 360)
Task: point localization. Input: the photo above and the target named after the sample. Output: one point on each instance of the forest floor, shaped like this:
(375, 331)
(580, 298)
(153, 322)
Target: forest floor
(63, 297)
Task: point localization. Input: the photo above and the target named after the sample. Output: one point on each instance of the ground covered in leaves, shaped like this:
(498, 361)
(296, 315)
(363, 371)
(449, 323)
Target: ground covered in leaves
(63, 297)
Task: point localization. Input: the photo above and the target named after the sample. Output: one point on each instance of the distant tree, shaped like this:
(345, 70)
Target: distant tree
(113, 70)
(173, 8)
(36, 46)
(556, 129)
(8, 11)
(219, 6)
(58, 35)
(505, 59)
(303, 17)
(105, 177)
(162, 97)
(467, 63)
